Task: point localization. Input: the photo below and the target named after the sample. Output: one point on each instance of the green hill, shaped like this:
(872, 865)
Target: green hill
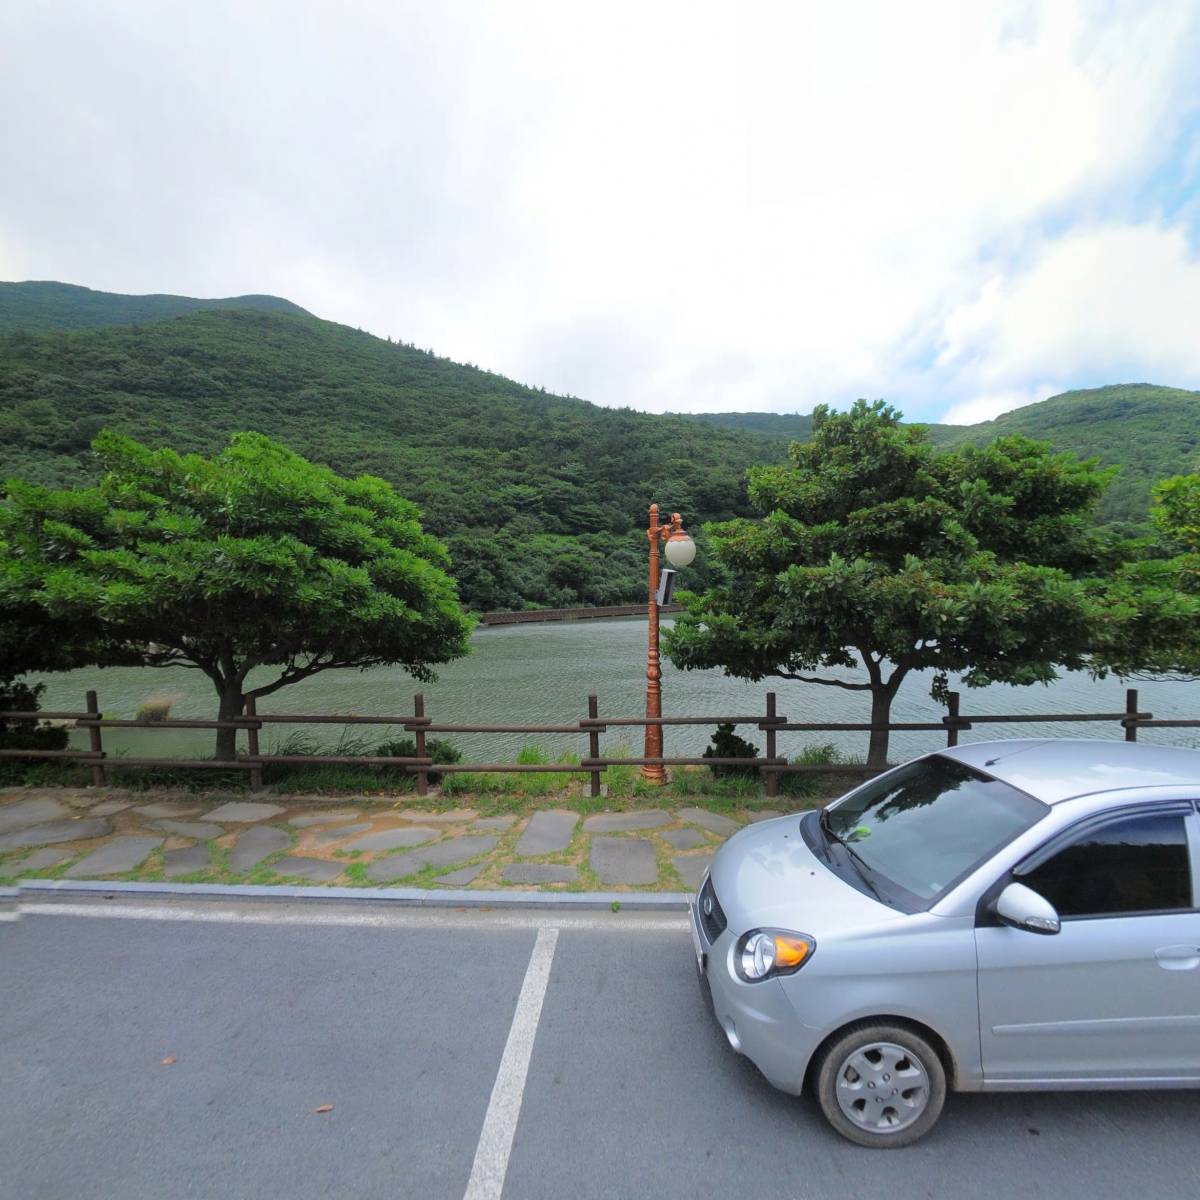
(541, 499)
(36, 306)
(1148, 431)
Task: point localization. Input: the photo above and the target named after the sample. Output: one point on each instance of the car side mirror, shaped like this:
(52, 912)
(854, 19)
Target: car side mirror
(1023, 908)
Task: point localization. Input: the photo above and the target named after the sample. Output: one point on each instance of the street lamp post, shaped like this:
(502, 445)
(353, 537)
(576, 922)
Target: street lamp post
(680, 550)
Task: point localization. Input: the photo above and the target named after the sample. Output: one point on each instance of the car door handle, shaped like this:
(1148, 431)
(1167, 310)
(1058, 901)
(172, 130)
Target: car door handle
(1178, 958)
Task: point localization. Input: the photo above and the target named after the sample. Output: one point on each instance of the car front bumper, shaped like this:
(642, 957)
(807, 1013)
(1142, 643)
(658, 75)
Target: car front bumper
(758, 1019)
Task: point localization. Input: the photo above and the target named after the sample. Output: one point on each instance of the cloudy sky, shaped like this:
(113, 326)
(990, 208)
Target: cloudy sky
(961, 207)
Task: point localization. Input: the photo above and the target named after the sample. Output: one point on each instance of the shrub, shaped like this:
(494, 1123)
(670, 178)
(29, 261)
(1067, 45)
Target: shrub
(16, 696)
(727, 744)
(157, 707)
(817, 755)
(438, 749)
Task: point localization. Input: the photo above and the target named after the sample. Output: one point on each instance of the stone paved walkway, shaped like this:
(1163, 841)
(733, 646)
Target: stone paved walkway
(103, 833)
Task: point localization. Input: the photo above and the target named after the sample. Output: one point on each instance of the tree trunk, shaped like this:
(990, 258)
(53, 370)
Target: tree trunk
(232, 702)
(881, 713)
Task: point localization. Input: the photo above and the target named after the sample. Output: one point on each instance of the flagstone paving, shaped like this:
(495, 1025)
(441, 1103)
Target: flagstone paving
(624, 860)
(393, 839)
(684, 839)
(56, 831)
(339, 832)
(713, 822)
(539, 873)
(167, 808)
(319, 870)
(494, 823)
(244, 811)
(43, 860)
(441, 854)
(187, 861)
(767, 814)
(621, 822)
(29, 812)
(115, 857)
(324, 818)
(204, 830)
(549, 831)
(691, 868)
(81, 834)
(256, 844)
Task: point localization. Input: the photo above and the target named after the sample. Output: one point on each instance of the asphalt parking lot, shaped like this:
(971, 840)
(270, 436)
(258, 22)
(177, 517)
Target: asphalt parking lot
(466, 1054)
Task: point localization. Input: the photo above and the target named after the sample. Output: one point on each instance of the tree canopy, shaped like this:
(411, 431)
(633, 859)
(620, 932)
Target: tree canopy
(873, 549)
(252, 558)
(1152, 624)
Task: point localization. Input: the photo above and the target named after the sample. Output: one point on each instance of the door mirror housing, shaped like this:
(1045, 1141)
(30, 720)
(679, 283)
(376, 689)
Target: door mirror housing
(1023, 908)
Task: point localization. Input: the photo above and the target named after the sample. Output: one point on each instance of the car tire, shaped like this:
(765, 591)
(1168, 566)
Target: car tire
(880, 1085)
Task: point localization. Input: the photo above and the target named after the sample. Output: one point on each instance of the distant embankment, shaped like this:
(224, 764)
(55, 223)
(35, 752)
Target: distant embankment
(570, 614)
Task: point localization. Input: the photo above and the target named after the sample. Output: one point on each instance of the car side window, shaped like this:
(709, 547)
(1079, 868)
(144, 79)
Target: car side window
(1132, 864)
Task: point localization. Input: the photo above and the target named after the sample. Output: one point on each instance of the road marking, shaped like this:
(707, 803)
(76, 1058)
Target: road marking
(276, 913)
(499, 1126)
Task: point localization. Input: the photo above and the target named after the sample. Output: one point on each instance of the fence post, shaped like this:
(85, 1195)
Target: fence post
(93, 708)
(594, 743)
(419, 731)
(772, 776)
(256, 779)
(1131, 709)
(952, 719)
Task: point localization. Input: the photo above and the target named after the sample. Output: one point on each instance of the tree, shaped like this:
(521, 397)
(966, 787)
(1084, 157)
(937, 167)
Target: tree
(873, 549)
(252, 558)
(1152, 626)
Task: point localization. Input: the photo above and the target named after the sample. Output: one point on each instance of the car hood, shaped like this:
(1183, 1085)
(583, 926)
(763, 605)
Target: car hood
(766, 875)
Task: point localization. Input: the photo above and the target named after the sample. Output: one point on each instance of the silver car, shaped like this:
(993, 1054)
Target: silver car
(1002, 916)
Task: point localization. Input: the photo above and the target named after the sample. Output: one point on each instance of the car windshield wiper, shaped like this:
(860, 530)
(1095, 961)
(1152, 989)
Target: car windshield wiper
(859, 863)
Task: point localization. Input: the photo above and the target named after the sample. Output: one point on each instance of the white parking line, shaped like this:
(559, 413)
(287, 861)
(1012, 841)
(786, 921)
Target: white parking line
(496, 1139)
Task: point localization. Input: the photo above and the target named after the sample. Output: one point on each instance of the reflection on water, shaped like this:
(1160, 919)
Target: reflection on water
(542, 674)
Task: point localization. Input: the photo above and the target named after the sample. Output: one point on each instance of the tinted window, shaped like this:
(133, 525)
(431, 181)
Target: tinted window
(1130, 865)
(931, 822)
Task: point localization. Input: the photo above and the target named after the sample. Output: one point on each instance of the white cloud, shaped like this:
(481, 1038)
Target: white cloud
(677, 205)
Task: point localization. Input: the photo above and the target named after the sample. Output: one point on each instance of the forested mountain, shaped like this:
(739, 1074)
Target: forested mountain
(1148, 431)
(37, 305)
(542, 500)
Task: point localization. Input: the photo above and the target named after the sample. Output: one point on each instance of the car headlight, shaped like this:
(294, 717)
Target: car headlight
(762, 953)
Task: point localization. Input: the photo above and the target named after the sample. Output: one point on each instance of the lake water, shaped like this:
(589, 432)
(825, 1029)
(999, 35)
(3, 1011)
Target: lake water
(543, 673)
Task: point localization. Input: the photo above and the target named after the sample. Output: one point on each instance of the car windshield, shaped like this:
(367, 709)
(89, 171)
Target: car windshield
(930, 823)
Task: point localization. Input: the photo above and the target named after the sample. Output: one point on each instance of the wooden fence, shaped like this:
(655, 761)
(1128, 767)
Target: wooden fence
(421, 725)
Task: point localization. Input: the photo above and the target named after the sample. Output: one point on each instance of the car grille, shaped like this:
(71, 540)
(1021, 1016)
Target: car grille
(712, 916)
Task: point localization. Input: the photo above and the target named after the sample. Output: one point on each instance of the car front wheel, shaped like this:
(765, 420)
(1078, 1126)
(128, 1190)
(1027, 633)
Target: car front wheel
(880, 1085)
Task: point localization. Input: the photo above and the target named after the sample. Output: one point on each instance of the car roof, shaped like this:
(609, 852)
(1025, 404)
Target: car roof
(1057, 769)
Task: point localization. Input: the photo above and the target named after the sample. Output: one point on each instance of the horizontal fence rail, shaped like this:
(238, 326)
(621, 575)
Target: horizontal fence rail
(771, 764)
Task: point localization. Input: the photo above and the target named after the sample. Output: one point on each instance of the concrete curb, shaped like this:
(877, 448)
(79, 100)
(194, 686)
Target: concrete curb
(410, 897)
